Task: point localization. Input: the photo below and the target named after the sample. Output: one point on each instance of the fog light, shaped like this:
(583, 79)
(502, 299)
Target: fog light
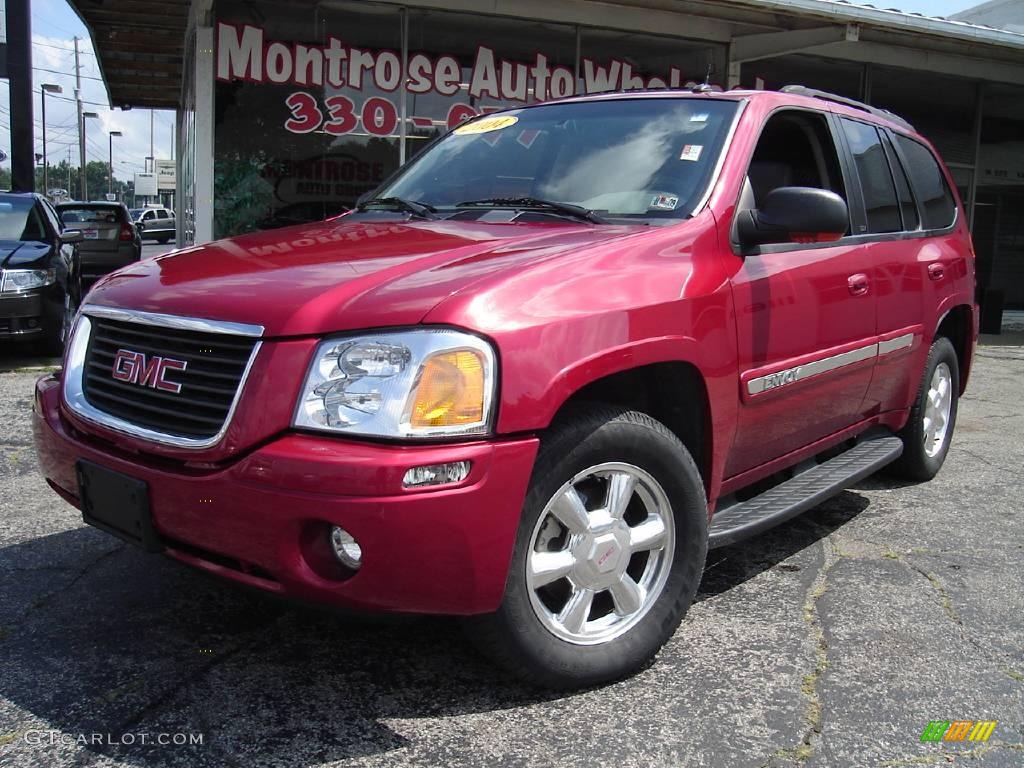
(437, 474)
(345, 548)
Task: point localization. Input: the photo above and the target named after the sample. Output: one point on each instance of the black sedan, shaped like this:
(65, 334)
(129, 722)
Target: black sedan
(39, 272)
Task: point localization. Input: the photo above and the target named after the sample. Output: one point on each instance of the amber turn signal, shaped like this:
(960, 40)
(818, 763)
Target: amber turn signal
(450, 392)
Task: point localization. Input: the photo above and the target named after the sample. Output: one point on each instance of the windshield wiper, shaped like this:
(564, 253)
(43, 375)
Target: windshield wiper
(567, 209)
(414, 207)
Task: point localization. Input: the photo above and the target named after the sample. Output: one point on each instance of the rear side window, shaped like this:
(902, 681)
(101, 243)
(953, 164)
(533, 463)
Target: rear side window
(883, 210)
(161, 214)
(911, 220)
(937, 205)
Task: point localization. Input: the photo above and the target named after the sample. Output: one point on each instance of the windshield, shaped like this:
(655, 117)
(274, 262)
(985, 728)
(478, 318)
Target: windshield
(136, 212)
(644, 159)
(20, 220)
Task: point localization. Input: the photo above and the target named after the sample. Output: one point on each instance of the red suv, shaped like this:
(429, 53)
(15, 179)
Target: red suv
(530, 381)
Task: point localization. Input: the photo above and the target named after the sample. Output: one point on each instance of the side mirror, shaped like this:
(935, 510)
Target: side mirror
(795, 215)
(69, 236)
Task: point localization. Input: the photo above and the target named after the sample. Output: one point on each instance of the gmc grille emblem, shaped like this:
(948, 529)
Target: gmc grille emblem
(135, 368)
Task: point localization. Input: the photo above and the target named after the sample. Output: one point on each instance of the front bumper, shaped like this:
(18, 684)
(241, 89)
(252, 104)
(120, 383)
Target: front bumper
(260, 519)
(24, 315)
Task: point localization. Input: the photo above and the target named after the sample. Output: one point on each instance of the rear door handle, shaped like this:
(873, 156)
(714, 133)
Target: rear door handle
(936, 271)
(859, 284)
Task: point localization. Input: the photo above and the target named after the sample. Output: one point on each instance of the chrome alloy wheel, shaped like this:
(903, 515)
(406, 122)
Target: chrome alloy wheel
(600, 554)
(937, 408)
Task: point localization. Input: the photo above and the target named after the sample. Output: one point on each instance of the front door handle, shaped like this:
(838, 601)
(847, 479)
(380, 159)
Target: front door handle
(859, 284)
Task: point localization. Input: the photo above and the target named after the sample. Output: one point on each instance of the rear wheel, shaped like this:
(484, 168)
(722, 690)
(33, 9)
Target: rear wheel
(163, 240)
(609, 553)
(929, 432)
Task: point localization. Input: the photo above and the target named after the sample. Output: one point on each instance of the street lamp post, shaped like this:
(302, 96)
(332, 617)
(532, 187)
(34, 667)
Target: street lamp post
(44, 89)
(110, 166)
(85, 162)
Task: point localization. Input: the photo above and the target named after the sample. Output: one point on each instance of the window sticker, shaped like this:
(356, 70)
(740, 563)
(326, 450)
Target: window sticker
(527, 137)
(486, 125)
(692, 152)
(662, 202)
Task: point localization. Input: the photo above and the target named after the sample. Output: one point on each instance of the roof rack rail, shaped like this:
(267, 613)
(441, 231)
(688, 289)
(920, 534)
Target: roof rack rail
(801, 90)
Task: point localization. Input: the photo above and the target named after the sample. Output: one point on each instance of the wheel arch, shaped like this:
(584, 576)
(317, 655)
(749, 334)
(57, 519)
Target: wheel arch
(673, 392)
(958, 325)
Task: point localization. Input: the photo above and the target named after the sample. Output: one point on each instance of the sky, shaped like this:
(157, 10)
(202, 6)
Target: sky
(54, 26)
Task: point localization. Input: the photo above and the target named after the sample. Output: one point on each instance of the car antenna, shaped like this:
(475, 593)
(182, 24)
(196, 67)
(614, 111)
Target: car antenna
(705, 87)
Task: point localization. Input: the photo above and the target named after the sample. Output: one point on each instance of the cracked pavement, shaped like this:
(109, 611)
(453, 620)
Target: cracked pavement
(830, 641)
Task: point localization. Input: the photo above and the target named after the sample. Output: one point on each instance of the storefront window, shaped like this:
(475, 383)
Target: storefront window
(306, 121)
(313, 102)
(462, 65)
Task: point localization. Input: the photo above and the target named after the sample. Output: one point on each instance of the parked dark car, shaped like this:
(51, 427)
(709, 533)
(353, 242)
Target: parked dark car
(109, 238)
(39, 272)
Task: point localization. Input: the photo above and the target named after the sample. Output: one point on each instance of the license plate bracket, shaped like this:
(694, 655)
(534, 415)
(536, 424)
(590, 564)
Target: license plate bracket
(117, 504)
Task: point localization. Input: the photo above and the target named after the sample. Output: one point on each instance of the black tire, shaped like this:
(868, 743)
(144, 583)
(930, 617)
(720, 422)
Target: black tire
(56, 334)
(514, 636)
(163, 240)
(915, 464)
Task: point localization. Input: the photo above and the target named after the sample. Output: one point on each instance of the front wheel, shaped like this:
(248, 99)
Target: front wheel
(609, 553)
(929, 432)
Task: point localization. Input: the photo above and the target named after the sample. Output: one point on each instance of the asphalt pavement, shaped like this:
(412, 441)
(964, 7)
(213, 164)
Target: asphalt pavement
(831, 641)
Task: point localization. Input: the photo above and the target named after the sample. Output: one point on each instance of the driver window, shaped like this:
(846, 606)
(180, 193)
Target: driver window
(796, 149)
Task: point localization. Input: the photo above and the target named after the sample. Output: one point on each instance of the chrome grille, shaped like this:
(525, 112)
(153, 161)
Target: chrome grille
(215, 365)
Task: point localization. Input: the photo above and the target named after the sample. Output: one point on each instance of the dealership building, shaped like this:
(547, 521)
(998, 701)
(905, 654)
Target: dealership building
(289, 111)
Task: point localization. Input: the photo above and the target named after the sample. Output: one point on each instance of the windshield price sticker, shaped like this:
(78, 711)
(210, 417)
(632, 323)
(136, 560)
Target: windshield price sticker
(692, 152)
(486, 125)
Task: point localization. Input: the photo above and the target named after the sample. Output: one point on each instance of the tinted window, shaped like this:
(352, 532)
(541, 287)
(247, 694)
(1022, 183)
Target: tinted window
(90, 215)
(795, 149)
(20, 220)
(911, 220)
(880, 202)
(937, 205)
(161, 214)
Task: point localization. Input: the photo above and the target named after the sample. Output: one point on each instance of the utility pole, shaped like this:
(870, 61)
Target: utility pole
(81, 123)
(152, 154)
(19, 74)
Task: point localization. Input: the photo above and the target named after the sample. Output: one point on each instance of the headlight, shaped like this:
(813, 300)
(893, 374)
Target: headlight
(419, 383)
(16, 280)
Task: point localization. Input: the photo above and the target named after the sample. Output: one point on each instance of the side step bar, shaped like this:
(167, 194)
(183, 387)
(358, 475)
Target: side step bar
(740, 520)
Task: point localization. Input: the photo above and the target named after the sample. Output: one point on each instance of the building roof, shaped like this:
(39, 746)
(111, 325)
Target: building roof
(861, 13)
(140, 47)
(140, 43)
(1001, 14)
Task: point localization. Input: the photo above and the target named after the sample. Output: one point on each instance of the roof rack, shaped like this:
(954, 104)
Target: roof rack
(801, 90)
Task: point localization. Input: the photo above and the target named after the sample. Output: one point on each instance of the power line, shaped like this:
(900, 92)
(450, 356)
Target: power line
(65, 74)
(61, 48)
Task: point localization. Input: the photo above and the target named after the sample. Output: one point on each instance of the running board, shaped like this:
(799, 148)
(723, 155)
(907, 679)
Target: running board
(740, 520)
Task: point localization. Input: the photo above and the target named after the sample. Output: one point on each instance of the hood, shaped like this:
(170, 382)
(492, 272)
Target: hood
(19, 255)
(341, 275)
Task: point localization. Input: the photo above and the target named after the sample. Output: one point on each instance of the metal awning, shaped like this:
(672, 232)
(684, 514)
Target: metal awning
(140, 48)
